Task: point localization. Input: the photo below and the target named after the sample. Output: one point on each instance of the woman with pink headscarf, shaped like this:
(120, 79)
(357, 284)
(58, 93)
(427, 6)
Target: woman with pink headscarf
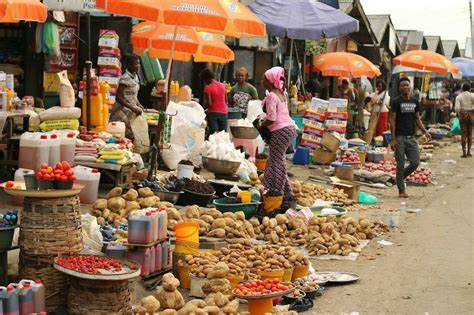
(281, 127)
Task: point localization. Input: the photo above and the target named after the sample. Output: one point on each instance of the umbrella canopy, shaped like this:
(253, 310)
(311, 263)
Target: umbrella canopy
(186, 40)
(466, 66)
(14, 11)
(229, 17)
(180, 56)
(426, 60)
(420, 73)
(303, 19)
(343, 64)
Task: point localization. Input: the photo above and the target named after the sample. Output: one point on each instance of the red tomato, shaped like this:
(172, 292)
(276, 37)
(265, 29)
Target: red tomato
(9, 184)
(50, 169)
(72, 178)
(238, 291)
(46, 176)
(63, 177)
(39, 175)
(44, 165)
(66, 165)
(58, 166)
(276, 280)
(44, 171)
(68, 173)
(57, 176)
(60, 172)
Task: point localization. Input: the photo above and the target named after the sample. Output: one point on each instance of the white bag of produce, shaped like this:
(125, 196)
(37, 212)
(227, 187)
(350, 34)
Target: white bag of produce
(57, 113)
(66, 91)
(187, 134)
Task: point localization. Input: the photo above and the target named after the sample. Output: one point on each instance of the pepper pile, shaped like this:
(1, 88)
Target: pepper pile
(90, 264)
(262, 287)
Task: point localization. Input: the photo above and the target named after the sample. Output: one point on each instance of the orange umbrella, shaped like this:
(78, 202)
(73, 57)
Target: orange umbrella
(427, 61)
(180, 56)
(344, 64)
(14, 11)
(187, 40)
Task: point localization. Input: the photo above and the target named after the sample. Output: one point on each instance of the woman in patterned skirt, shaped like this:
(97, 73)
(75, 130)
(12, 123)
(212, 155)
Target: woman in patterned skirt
(281, 126)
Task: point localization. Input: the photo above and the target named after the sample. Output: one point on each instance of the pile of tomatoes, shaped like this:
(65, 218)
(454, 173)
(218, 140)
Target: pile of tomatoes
(262, 287)
(90, 264)
(61, 171)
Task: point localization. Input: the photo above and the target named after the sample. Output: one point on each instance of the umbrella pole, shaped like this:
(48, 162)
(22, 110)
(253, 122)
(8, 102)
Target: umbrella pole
(168, 69)
(299, 70)
(289, 68)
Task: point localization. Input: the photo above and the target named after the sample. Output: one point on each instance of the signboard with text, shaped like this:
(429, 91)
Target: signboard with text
(71, 5)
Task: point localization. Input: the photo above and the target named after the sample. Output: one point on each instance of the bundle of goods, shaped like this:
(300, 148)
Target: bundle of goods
(212, 223)
(168, 177)
(306, 193)
(111, 154)
(57, 118)
(327, 236)
(220, 147)
(9, 219)
(313, 121)
(421, 175)
(109, 61)
(87, 151)
(351, 158)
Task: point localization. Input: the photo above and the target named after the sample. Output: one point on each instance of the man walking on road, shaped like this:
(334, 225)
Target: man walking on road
(404, 118)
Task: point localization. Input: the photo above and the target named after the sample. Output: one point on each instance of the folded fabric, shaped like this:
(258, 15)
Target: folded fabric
(85, 158)
(111, 152)
(119, 162)
(112, 157)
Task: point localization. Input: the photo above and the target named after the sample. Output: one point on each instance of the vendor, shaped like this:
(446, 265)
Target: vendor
(242, 92)
(464, 107)
(214, 101)
(127, 105)
(158, 92)
(345, 91)
(281, 127)
(380, 103)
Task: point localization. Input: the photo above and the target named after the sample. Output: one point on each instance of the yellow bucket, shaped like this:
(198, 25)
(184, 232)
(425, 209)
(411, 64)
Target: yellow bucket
(261, 164)
(260, 306)
(234, 280)
(272, 203)
(184, 273)
(288, 273)
(245, 196)
(271, 274)
(187, 237)
(299, 272)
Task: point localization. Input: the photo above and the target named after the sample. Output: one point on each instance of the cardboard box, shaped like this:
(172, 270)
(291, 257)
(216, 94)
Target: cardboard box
(313, 123)
(318, 105)
(110, 80)
(109, 62)
(108, 38)
(350, 188)
(330, 142)
(337, 105)
(341, 116)
(313, 130)
(309, 144)
(344, 172)
(314, 115)
(324, 157)
(109, 52)
(110, 72)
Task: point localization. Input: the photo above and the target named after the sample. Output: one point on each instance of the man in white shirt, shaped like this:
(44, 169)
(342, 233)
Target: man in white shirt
(464, 107)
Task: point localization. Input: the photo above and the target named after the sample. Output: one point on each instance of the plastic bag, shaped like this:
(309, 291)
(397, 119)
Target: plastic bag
(456, 127)
(187, 134)
(367, 199)
(66, 92)
(91, 232)
(139, 126)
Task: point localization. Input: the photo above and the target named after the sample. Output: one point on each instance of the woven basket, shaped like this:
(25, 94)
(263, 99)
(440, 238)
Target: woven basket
(51, 227)
(99, 297)
(56, 283)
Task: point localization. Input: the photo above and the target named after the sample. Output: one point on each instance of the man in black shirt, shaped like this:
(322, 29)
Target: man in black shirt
(404, 118)
(313, 86)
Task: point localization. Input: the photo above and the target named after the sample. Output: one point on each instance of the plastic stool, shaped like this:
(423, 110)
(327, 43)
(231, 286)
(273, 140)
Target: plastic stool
(301, 156)
(250, 145)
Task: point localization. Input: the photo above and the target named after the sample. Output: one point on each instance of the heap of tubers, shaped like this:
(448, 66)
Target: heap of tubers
(280, 230)
(116, 207)
(306, 193)
(326, 236)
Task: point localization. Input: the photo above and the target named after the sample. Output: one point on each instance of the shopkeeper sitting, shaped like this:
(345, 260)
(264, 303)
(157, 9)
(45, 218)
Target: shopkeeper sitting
(242, 92)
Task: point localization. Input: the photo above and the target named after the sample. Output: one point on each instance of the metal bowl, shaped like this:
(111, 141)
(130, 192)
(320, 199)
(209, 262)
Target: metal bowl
(170, 196)
(242, 132)
(219, 166)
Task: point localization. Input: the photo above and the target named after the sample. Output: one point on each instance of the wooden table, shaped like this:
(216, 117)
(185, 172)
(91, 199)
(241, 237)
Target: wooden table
(121, 175)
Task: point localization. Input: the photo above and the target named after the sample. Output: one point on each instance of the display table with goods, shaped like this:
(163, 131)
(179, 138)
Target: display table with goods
(50, 225)
(98, 284)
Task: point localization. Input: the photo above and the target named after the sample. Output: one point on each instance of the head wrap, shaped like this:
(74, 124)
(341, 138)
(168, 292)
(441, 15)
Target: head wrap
(276, 76)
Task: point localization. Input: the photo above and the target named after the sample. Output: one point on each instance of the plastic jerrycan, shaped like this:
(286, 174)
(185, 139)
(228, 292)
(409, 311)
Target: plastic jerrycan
(155, 223)
(158, 258)
(140, 230)
(142, 256)
(68, 148)
(54, 149)
(90, 178)
(25, 299)
(165, 247)
(39, 294)
(34, 150)
(163, 227)
(152, 259)
(9, 299)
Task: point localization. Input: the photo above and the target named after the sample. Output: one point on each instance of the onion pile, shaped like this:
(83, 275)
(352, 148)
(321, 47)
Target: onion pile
(422, 175)
(349, 157)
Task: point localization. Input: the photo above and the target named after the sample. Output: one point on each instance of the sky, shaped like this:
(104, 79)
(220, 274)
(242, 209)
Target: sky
(446, 18)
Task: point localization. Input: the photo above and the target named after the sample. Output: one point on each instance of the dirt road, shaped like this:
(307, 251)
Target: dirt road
(430, 267)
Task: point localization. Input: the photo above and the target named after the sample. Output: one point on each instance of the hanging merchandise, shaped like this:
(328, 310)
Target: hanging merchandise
(51, 39)
(109, 65)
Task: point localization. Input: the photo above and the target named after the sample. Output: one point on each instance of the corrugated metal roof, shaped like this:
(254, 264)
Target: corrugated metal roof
(379, 24)
(345, 5)
(410, 38)
(449, 47)
(432, 42)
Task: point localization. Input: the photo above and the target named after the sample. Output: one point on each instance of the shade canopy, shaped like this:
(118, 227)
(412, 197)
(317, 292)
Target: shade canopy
(14, 11)
(466, 66)
(303, 19)
(344, 64)
(426, 60)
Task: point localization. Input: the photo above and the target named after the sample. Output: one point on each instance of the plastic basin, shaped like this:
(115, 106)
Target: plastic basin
(223, 186)
(6, 237)
(170, 196)
(188, 198)
(248, 208)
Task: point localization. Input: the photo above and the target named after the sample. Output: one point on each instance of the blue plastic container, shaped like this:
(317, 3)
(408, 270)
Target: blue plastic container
(301, 156)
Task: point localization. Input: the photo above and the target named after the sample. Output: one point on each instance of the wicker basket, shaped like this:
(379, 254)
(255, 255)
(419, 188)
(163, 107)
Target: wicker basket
(55, 282)
(242, 132)
(99, 297)
(51, 227)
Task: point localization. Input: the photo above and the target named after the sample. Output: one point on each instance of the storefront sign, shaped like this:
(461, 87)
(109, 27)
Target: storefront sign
(71, 5)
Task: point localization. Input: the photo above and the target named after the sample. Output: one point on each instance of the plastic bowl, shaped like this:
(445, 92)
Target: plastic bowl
(242, 132)
(248, 208)
(170, 196)
(6, 237)
(188, 198)
(291, 299)
(220, 167)
(223, 186)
